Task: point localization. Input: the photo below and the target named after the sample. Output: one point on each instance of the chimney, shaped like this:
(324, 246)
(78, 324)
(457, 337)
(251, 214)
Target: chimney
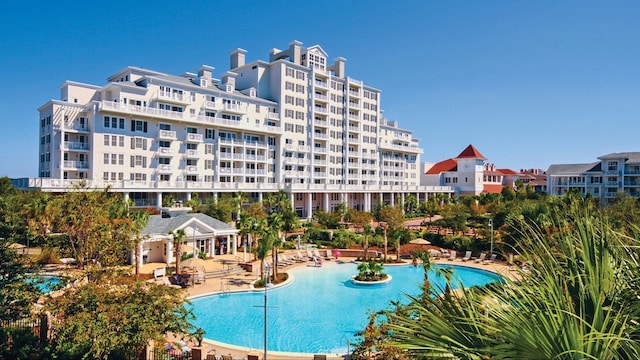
(338, 67)
(295, 49)
(229, 80)
(237, 57)
(204, 73)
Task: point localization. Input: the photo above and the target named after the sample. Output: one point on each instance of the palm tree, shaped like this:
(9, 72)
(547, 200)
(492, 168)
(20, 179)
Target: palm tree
(275, 222)
(238, 200)
(368, 231)
(140, 219)
(579, 300)
(447, 273)
(178, 238)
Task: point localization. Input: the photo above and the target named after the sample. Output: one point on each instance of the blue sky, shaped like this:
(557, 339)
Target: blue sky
(529, 83)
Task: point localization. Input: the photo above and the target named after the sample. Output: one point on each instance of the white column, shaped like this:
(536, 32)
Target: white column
(126, 197)
(393, 199)
(189, 196)
(158, 200)
(326, 202)
(402, 200)
(226, 250)
(260, 197)
(213, 247)
(292, 199)
(309, 205)
(235, 242)
(139, 259)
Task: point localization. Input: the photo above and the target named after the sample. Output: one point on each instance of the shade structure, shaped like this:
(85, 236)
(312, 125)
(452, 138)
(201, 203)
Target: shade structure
(419, 241)
(193, 262)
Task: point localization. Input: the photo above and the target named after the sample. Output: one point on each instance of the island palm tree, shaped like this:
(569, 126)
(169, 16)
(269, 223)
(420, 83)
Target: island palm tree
(178, 239)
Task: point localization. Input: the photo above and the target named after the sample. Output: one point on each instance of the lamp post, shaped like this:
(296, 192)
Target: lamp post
(266, 284)
(491, 235)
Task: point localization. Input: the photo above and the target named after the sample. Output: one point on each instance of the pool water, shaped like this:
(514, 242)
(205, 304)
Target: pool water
(45, 283)
(320, 311)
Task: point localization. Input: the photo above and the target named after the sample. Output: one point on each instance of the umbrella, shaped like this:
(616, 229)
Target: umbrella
(193, 262)
(419, 242)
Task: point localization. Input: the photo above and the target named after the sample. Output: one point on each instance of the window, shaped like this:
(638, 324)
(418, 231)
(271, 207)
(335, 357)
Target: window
(299, 102)
(288, 113)
(299, 75)
(209, 133)
(138, 143)
(138, 126)
(208, 148)
(289, 72)
(300, 89)
(208, 164)
(164, 144)
(288, 99)
(165, 127)
(138, 177)
(164, 161)
(137, 160)
(288, 85)
(299, 115)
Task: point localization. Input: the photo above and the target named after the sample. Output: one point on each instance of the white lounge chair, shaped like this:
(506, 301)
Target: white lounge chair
(316, 254)
(300, 257)
(481, 258)
(467, 256)
(491, 259)
(310, 254)
(452, 256)
(329, 255)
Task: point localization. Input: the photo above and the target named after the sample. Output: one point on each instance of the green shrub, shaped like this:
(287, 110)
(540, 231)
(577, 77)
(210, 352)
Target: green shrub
(48, 255)
(202, 255)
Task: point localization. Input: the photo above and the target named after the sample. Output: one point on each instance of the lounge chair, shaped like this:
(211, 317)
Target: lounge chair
(285, 259)
(300, 257)
(491, 259)
(316, 253)
(467, 256)
(444, 253)
(481, 258)
(452, 256)
(434, 253)
(310, 254)
(329, 255)
(165, 281)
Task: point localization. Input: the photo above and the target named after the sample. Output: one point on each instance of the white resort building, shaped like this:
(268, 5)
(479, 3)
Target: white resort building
(292, 123)
(610, 176)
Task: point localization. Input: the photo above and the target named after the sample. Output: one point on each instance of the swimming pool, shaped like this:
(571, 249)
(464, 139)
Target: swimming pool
(319, 312)
(45, 283)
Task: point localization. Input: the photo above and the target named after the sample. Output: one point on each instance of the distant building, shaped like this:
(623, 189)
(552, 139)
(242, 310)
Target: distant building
(536, 178)
(613, 174)
(468, 173)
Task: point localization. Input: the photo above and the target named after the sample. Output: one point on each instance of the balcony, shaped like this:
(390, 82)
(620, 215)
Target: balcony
(77, 127)
(318, 122)
(167, 135)
(191, 170)
(320, 135)
(320, 162)
(165, 151)
(320, 109)
(321, 150)
(112, 106)
(354, 93)
(353, 140)
(354, 117)
(75, 146)
(235, 108)
(354, 153)
(354, 128)
(320, 174)
(234, 124)
(320, 97)
(211, 105)
(321, 84)
(354, 105)
(74, 164)
(177, 97)
(164, 169)
(192, 154)
(193, 138)
(354, 81)
(273, 116)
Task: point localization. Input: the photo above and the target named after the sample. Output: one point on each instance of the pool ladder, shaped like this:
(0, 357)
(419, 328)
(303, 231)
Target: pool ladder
(224, 290)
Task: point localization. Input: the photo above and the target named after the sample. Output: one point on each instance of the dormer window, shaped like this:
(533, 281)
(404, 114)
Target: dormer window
(229, 88)
(203, 82)
(252, 93)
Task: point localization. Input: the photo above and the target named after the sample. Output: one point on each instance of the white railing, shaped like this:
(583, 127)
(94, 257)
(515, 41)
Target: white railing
(71, 145)
(168, 95)
(213, 105)
(321, 84)
(192, 153)
(320, 109)
(320, 122)
(163, 168)
(194, 137)
(48, 184)
(237, 108)
(167, 134)
(76, 164)
(273, 116)
(320, 97)
(165, 151)
(191, 169)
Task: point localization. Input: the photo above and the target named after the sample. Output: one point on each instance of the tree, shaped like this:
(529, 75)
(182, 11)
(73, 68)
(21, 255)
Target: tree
(140, 220)
(237, 201)
(16, 293)
(221, 209)
(275, 224)
(394, 218)
(359, 218)
(410, 204)
(178, 239)
(112, 317)
(367, 232)
(96, 225)
(578, 300)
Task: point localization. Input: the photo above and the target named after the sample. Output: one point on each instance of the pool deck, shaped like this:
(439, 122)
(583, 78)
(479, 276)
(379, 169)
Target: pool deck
(242, 282)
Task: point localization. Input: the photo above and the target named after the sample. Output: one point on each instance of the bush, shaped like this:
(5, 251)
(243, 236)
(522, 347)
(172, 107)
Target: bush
(48, 255)
(202, 255)
(185, 256)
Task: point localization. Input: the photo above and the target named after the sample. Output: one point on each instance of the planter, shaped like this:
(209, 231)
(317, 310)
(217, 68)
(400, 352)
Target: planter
(365, 283)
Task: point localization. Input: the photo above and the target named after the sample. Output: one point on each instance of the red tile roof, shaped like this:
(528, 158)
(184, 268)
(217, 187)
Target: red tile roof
(492, 188)
(442, 166)
(508, 171)
(470, 152)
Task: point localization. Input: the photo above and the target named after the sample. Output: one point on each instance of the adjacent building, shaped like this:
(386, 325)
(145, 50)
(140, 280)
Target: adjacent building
(293, 122)
(611, 175)
(469, 174)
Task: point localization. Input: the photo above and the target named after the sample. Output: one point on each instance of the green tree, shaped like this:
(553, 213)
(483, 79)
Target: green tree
(221, 209)
(367, 233)
(112, 318)
(178, 236)
(16, 293)
(578, 300)
(393, 218)
(238, 201)
(410, 204)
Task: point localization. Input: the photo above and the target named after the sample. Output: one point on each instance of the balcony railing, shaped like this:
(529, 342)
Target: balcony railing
(321, 84)
(193, 138)
(192, 154)
(74, 164)
(174, 96)
(235, 108)
(167, 135)
(273, 116)
(165, 151)
(71, 145)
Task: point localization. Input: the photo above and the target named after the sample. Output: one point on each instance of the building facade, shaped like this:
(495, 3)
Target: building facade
(469, 174)
(610, 176)
(292, 123)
